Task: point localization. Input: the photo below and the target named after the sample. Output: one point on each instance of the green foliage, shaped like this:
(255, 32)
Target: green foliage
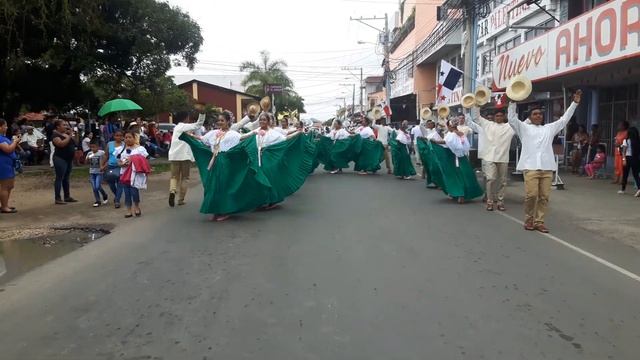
(63, 54)
(267, 72)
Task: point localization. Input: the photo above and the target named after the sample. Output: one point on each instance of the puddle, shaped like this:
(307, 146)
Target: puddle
(18, 257)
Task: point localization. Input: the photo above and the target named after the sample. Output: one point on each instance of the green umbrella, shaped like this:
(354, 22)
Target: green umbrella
(118, 105)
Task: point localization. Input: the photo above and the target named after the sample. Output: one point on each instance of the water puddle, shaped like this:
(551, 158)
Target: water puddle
(18, 257)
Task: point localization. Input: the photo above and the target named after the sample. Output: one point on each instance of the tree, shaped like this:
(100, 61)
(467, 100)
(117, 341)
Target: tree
(267, 72)
(62, 53)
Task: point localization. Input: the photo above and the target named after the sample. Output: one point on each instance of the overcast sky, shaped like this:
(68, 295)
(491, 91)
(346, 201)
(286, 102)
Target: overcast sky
(315, 38)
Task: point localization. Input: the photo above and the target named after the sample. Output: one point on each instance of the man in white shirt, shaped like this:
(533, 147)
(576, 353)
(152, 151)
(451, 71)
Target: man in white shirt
(35, 144)
(537, 160)
(181, 157)
(494, 142)
(383, 136)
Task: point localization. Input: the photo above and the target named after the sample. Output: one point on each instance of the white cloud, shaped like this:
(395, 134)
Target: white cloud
(316, 39)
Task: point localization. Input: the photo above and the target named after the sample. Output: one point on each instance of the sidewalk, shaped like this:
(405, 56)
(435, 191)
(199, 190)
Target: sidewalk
(593, 205)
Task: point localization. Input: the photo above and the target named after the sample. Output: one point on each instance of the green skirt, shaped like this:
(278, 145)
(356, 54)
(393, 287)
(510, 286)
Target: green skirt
(238, 183)
(455, 181)
(231, 185)
(339, 153)
(371, 155)
(402, 165)
(428, 163)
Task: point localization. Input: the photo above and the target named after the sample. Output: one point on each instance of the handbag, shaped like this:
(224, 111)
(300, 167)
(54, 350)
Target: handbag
(112, 174)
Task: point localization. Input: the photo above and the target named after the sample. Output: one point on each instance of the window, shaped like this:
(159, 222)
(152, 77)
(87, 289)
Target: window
(487, 60)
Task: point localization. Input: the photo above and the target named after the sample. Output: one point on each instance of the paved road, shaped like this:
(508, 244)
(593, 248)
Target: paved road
(349, 268)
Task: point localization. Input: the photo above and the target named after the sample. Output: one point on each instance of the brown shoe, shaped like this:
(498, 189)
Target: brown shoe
(489, 206)
(529, 226)
(501, 207)
(542, 228)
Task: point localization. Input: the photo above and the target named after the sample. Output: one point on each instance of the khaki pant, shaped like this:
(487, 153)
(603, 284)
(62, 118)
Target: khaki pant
(537, 187)
(180, 177)
(387, 158)
(496, 180)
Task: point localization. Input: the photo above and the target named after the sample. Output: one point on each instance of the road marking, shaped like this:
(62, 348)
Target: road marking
(602, 261)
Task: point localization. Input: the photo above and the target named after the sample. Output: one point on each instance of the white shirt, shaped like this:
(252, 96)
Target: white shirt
(180, 150)
(366, 132)
(138, 150)
(268, 137)
(284, 131)
(495, 138)
(224, 140)
(383, 133)
(32, 139)
(403, 137)
(85, 144)
(338, 134)
(246, 123)
(627, 145)
(537, 140)
(433, 135)
(416, 132)
(459, 145)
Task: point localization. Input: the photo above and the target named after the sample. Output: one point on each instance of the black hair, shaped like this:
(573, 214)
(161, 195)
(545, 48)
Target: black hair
(634, 139)
(499, 111)
(94, 141)
(118, 131)
(227, 115)
(57, 123)
(602, 148)
(625, 124)
(3, 122)
(181, 116)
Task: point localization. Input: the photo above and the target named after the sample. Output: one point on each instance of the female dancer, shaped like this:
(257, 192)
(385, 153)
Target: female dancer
(402, 166)
(371, 151)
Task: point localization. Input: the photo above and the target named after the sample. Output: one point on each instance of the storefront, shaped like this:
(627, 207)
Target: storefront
(597, 52)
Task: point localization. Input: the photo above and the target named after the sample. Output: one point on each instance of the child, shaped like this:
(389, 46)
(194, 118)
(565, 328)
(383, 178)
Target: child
(130, 182)
(598, 162)
(97, 161)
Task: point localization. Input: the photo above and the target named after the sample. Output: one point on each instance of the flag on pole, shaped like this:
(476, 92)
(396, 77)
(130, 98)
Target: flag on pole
(501, 100)
(447, 81)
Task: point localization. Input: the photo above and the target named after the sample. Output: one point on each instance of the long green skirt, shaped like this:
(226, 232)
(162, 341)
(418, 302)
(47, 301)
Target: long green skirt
(428, 162)
(339, 153)
(238, 183)
(455, 181)
(402, 165)
(231, 186)
(370, 157)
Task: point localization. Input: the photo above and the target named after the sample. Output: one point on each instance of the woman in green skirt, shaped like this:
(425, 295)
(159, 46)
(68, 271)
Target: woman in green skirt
(371, 150)
(458, 177)
(402, 166)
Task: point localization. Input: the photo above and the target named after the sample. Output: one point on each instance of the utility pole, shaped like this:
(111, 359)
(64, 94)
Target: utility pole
(362, 89)
(353, 96)
(387, 67)
(470, 40)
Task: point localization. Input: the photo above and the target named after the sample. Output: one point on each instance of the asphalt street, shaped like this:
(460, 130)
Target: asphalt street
(350, 267)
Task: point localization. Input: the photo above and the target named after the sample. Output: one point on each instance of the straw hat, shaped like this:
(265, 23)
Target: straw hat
(443, 111)
(265, 103)
(519, 88)
(483, 95)
(253, 109)
(468, 100)
(425, 113)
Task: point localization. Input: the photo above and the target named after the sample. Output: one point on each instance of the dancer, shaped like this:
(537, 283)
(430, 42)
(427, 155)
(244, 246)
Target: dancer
(338, 150)
(497, 136)
(371, 151)
(180, 156)
(457, 178)
(537, 160)
(402, 165)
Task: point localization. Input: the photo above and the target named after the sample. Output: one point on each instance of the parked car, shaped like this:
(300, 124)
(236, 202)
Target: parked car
(166, 127)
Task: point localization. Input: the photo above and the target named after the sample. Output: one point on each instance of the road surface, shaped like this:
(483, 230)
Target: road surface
(350, 267)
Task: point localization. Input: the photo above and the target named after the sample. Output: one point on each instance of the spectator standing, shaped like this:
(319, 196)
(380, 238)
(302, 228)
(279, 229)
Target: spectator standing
(34, 144)
(97, 160)
(86, 141)
(112, 175)
(580, 140)
(631, 161)
(618, 154)
(594, 140)
(7, 167)
(65, 148)
(131, 192)
(21, 153)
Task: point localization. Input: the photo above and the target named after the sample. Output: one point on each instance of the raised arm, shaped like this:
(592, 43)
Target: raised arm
(470, 122)
(196, 125)
(240, 124)
(557, 126)
(512, 116)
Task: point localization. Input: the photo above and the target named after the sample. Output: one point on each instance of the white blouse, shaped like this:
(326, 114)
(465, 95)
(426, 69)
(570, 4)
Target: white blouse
(338, 134)
(268, 137)
(224, 140)
(365, 132)
(403, 137)
(459, 145)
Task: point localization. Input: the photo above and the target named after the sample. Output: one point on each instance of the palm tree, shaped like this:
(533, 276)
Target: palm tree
(267, 72)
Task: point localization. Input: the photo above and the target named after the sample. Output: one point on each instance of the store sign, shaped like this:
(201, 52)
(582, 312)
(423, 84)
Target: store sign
(497, 20)
(455, 97)
(607, 33)
(273, 88)
(402, 85)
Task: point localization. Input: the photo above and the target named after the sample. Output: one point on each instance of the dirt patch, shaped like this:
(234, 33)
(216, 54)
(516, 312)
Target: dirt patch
(38, 215)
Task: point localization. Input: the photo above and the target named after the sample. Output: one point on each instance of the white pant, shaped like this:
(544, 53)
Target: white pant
(52, 148)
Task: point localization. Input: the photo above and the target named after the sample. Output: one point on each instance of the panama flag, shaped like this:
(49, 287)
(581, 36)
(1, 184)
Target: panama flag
(447, 81)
